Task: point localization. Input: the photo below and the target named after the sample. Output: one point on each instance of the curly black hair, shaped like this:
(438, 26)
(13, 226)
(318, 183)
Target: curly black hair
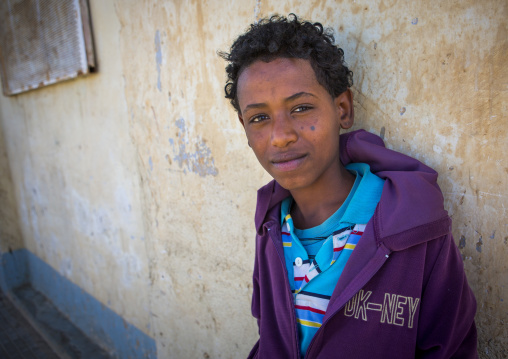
(277, 37)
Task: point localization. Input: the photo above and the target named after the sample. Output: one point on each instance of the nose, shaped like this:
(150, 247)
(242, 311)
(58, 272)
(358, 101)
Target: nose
(283, 131)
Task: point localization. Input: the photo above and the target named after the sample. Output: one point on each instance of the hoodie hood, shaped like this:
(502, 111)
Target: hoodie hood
(411, 199)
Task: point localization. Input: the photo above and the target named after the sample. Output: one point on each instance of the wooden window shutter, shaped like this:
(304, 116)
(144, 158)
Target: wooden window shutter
(43, 42)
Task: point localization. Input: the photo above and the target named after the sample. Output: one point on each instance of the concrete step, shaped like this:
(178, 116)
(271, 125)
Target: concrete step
(18, 339)
(66, 340)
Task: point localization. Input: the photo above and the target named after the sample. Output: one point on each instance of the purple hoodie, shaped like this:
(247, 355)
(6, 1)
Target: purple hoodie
(403, 292)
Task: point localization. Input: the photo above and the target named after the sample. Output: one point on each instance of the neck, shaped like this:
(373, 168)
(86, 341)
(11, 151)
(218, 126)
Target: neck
(312, 206)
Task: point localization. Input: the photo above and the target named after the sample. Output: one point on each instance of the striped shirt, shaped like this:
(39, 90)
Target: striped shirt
(310, 253)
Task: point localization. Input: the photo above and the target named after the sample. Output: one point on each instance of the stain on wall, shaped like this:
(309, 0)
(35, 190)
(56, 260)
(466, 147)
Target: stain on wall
(10, 236)
(158, 57)
(142, 171)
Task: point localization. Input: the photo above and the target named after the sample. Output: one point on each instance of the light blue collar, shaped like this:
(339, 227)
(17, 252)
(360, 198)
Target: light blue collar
(358, 207)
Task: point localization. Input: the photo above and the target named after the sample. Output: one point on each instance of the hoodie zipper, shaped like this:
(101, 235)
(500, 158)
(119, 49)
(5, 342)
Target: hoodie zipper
(322, 325)
(378, 265)
(288, 290)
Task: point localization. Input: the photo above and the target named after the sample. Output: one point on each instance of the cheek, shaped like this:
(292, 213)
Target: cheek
(256, 142)
(255, 136)
(315, 124)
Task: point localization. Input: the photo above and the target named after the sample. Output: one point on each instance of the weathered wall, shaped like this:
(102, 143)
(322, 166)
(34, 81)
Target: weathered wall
(136, 183)
(10, 236)
(76, 182)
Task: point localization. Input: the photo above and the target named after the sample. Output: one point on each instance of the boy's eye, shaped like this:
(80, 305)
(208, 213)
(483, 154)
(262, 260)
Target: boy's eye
(258, 118)
(302, 108)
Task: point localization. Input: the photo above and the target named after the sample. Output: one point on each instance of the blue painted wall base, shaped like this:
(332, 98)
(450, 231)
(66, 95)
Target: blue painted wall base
(93, 318)
(13, 269)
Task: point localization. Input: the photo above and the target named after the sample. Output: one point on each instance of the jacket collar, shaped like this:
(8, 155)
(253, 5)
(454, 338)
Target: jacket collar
(269, 196)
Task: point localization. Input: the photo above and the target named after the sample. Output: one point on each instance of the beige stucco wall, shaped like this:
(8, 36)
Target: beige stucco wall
(137, 184)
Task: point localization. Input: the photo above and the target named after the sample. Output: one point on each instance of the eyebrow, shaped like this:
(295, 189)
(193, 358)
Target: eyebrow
(288, 99)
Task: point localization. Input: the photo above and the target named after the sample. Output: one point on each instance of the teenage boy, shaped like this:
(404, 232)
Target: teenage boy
(354, 252)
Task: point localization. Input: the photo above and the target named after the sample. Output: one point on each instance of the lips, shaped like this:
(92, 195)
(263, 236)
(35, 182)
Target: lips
(288, 161)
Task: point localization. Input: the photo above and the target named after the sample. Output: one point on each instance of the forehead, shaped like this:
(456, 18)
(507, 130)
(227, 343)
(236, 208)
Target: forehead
(280, 77)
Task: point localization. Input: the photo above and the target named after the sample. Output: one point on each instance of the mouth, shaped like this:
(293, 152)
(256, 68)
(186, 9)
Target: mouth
(288, 161)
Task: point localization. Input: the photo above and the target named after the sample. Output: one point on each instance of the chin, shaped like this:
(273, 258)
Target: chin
(290, 184)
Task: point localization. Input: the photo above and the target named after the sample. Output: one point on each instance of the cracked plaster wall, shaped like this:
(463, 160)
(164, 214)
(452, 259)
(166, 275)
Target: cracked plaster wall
(137, 183)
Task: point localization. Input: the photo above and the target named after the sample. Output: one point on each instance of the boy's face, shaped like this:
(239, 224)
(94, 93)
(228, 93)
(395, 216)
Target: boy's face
(292, 123)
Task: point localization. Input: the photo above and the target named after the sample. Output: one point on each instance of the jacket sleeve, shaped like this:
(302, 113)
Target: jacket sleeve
(446, 326)
(255, 306)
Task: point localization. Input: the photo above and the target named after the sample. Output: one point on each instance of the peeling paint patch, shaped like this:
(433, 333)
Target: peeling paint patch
(158, 57)
(257, 10)
(479, 245)
(150, 163)
(130, 268)
(66, 267)
(200, 160)
(462, 242)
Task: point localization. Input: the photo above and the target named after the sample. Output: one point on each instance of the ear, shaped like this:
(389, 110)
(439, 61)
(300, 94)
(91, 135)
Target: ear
(345, 109)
